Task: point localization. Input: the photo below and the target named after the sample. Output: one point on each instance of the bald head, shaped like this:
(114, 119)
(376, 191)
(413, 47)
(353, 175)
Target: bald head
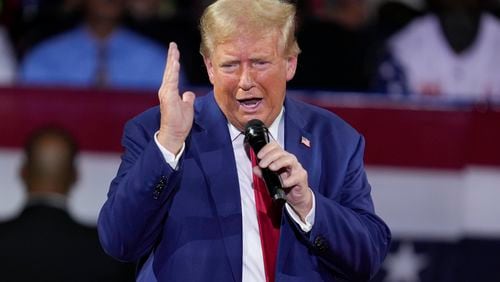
(49, 165)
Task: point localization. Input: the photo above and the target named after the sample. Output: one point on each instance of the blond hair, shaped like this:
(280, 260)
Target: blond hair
(226, 19)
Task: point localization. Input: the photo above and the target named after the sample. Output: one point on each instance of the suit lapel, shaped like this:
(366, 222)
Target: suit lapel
(294, 133)
(211, 139)
(295, 130)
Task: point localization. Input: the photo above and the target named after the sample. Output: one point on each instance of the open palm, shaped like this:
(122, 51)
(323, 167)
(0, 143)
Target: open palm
(176, 112)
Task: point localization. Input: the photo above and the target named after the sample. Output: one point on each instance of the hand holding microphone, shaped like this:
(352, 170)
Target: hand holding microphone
(257, 136)
(280, 164)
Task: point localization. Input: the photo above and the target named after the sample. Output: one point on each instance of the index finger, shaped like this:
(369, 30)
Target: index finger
(267, 148)
(170, 82)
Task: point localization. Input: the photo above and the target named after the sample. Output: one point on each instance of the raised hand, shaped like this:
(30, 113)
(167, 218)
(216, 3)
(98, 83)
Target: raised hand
(176, 112)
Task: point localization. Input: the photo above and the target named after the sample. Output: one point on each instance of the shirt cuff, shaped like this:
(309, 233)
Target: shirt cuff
(169, 157)
(309, 220)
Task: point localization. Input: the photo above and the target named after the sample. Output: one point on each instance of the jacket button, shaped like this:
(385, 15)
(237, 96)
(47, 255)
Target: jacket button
(163, 180)
(159, 187)
(320, 244)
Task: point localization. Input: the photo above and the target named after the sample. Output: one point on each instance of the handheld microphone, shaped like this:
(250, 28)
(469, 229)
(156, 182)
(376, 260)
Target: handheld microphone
(257, 136)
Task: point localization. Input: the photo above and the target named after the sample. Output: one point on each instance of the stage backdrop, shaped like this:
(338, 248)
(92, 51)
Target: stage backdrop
(434, 169)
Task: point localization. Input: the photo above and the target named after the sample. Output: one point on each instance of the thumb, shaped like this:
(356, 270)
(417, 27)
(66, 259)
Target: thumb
(188, 97)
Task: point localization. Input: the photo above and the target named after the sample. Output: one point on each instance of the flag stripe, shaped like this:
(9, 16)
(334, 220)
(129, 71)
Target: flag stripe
(396, 134)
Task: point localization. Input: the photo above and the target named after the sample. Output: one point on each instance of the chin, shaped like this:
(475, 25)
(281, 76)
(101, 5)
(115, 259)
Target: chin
(250, 117)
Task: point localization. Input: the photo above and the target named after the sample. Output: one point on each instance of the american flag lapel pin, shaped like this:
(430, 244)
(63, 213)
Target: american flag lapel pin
(304, 141)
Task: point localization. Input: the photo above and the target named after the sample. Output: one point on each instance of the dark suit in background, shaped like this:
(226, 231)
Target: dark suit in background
(44, 243)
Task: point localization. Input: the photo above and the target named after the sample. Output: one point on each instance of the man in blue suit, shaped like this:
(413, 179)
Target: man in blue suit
(186, 195)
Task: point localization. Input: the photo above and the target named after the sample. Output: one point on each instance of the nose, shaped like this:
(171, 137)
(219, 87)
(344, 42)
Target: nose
(246, 79)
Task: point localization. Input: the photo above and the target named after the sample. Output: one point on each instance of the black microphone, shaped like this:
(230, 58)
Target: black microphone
(257, 136)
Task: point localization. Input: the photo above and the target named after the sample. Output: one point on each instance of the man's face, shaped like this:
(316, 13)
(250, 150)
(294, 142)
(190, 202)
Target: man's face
(249, 75)
(49, 167)
(110, 10)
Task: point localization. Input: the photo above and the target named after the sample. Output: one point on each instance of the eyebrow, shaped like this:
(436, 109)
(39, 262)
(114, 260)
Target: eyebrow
(229, 61)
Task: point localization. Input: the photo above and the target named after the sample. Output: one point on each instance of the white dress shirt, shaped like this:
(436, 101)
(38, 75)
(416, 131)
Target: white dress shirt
(253, 262)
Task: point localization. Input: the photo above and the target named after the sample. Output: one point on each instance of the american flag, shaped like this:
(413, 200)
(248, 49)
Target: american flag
(305, 142)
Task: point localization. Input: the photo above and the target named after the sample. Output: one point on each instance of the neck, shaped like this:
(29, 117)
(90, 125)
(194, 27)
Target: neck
(55, 200)
(43, 187)
(101, 29)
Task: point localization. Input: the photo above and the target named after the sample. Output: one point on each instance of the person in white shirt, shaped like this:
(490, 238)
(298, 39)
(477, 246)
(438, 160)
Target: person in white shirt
(450, 54)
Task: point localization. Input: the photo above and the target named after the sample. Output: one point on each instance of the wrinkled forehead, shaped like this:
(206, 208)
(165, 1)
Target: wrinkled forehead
(245, 37)
(249, 47)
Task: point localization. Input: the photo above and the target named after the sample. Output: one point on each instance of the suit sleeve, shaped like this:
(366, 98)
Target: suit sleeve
(131, 219)
(347, 236)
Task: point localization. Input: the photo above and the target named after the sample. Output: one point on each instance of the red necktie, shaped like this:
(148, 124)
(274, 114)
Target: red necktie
(269, 217)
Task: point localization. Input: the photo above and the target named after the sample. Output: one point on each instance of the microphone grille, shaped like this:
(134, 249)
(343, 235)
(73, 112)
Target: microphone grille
(254, 123)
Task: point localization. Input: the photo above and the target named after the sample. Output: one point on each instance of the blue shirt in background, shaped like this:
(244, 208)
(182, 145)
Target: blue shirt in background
(76, 58)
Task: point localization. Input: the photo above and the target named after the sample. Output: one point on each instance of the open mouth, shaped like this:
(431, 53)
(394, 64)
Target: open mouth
(250, 103)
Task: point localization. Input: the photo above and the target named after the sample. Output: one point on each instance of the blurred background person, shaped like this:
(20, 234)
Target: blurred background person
(149, 17)
(29, 22)
(44, 243)
(98, 53)
(451, 53)
(171, 20)
(393, 15)
(7, 59)
(337, 45)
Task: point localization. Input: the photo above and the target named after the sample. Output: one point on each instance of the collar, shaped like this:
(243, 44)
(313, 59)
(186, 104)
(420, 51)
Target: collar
(273, 129)
(54, 200)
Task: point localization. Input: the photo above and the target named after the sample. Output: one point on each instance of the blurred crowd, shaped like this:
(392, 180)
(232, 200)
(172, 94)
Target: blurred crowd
(429, 48)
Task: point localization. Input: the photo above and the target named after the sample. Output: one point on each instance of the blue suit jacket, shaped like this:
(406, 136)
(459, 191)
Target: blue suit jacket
(190, 219)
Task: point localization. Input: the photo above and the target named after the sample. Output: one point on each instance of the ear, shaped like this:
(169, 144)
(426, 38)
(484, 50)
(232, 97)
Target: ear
(291, 66)
(210, 68)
